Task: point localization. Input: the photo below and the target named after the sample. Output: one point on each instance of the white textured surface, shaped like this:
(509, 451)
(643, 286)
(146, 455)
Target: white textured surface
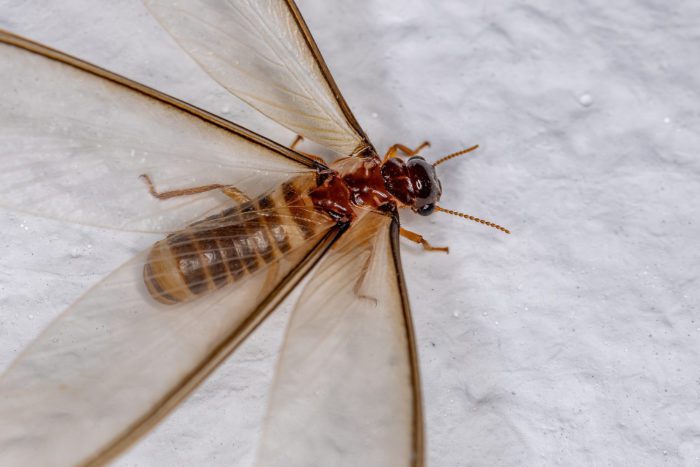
(574, 341)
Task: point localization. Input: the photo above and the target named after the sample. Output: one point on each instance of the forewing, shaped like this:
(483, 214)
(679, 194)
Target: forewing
(262, 52)
(73, 144)
(347, 387)
(117, 361)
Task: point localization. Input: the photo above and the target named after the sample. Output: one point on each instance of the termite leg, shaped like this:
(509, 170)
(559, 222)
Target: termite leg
(414, 237)
(235, 194)
(359, 285)
(405, 149)
(228, 190)
(298, 140)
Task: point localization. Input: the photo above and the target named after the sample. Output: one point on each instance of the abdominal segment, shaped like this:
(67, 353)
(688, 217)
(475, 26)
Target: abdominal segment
(233, 244)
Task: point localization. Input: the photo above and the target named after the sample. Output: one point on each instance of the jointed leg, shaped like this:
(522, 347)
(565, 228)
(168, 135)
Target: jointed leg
(228, 190)
(360, 283)
(298, 140)
(235, 194)
(404, 149)
(414, 237)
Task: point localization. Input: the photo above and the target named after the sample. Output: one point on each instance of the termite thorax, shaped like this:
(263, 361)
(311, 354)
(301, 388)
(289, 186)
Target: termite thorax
(332, 196)
(363, 178)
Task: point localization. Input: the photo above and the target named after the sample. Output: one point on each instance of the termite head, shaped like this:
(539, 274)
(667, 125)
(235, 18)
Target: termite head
(414, 183)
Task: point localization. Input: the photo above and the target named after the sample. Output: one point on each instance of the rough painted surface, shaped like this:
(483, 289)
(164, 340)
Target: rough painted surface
(576, 340)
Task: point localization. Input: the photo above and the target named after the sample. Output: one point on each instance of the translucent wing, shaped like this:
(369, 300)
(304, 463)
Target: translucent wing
(347, 386)
(117, 361)
(262, 51)
(73, 144)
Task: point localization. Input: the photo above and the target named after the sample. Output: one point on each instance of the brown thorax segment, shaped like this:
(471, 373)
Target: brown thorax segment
(352, 182)
(332, 196)
(363, 176)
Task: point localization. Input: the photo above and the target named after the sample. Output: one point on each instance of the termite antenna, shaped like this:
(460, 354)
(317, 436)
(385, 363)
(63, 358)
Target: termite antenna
(453, 155)
(472, 218)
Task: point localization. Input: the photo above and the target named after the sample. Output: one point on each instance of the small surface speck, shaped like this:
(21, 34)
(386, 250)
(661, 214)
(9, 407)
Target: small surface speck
(585, 100)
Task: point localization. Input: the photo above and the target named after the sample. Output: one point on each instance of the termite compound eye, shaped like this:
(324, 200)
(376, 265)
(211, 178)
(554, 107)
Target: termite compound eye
(426, 209)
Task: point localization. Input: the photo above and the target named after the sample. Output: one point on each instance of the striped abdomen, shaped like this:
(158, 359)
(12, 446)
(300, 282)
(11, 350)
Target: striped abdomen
(226, 247)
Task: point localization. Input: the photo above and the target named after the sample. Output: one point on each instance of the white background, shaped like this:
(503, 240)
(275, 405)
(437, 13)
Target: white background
(574, 341)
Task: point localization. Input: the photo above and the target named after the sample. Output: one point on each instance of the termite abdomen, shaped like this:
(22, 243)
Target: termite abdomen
(210, 254)
(224, 248)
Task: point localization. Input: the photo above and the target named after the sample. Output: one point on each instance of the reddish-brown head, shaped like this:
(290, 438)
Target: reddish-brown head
(413, 182)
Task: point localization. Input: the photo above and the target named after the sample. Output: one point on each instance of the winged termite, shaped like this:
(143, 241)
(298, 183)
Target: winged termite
(246, 219)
